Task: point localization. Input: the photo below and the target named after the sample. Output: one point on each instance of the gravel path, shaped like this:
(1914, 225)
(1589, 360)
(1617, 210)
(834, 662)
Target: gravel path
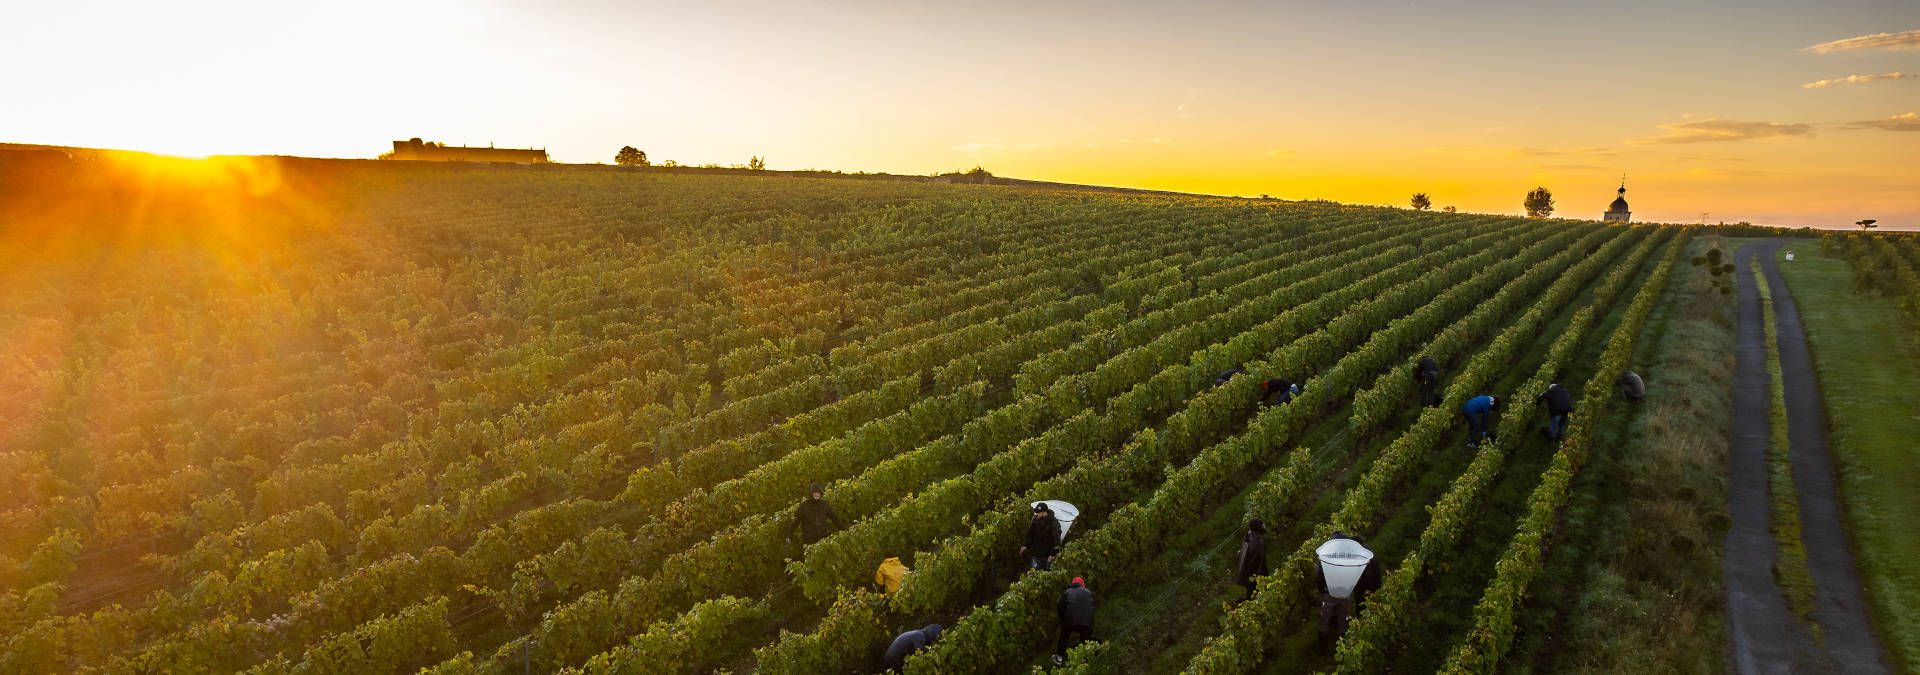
(1763, 635)
(1840, 604)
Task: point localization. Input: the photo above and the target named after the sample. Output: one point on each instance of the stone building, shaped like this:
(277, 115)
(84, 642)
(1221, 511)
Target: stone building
(415, 150)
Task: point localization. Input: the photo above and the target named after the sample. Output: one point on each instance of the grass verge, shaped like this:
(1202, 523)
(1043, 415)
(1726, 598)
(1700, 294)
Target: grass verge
(1868, 363)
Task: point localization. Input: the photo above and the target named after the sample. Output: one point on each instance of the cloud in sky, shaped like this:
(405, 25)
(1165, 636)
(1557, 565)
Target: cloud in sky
(1908, 40)
(1565, 152)
(1526, 152)
(1903, 122)
(1714, 129)
(1859, 79)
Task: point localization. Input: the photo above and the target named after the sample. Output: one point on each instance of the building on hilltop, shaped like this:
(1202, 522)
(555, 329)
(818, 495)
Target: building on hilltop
(415, 150)
(1618, 213)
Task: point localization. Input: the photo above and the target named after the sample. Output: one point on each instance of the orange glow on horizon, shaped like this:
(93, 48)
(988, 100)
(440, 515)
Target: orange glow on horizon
(1351, 102)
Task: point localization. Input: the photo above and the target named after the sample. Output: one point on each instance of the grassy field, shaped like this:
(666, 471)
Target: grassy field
(1869, 367)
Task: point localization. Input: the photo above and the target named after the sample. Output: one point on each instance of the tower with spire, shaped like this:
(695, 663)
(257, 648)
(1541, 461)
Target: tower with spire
(1618, 213)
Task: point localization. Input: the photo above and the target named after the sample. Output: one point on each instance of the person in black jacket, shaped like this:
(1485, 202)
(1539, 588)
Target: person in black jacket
(1426, 373)
(1076, 618)
(1253, 556)
(1370, 581)
(1559, 404)
(909, 642)
(814, 518)
(1227, 374)
(1043, 538)
(1279, 391)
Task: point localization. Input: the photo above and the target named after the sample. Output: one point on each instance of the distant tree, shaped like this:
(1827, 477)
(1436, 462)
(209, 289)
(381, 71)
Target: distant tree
(758, 163)
(975, 176)
(630, 156)
(1449, 209)
(1539, 203)
(670, 163)
(1421, 202)
(1865, 224)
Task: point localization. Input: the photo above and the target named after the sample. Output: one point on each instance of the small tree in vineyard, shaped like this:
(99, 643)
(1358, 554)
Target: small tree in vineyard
(1421, 202)
(1720, 270)
(630, 156)
(1449, 209)
(758, 163)
(1539, 203)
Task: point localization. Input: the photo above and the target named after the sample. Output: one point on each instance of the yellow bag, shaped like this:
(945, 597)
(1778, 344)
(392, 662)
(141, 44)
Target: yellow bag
(890, 575)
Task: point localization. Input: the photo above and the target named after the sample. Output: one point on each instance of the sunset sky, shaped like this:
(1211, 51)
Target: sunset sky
(1757, 110)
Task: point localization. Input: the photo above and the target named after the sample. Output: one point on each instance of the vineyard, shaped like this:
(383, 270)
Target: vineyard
(385, 419)
(1883, 265)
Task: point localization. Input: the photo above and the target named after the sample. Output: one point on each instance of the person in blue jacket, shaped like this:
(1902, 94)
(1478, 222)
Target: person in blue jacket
(1479, 411)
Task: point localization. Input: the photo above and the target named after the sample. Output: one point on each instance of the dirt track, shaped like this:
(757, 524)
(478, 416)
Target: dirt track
(1763, 634)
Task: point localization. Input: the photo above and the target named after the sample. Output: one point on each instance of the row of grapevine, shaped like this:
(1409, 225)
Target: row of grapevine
(684, 645)
(651, 543)
(388, 599)
(1493, 621)
(642, 539)
(1373, 637)
(1007, 629)
(1275, 499)
(1888, 265)
(1183, 381)
(1039, 374)
(1096, 484)
(1190, 428)
(847, 557)
(1249, 628)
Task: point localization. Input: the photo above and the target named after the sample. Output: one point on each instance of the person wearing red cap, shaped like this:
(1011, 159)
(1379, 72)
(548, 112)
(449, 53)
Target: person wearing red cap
(1076, 618)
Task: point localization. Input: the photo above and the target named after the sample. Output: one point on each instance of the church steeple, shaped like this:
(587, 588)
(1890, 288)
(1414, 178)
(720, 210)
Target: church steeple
(1617, 212)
